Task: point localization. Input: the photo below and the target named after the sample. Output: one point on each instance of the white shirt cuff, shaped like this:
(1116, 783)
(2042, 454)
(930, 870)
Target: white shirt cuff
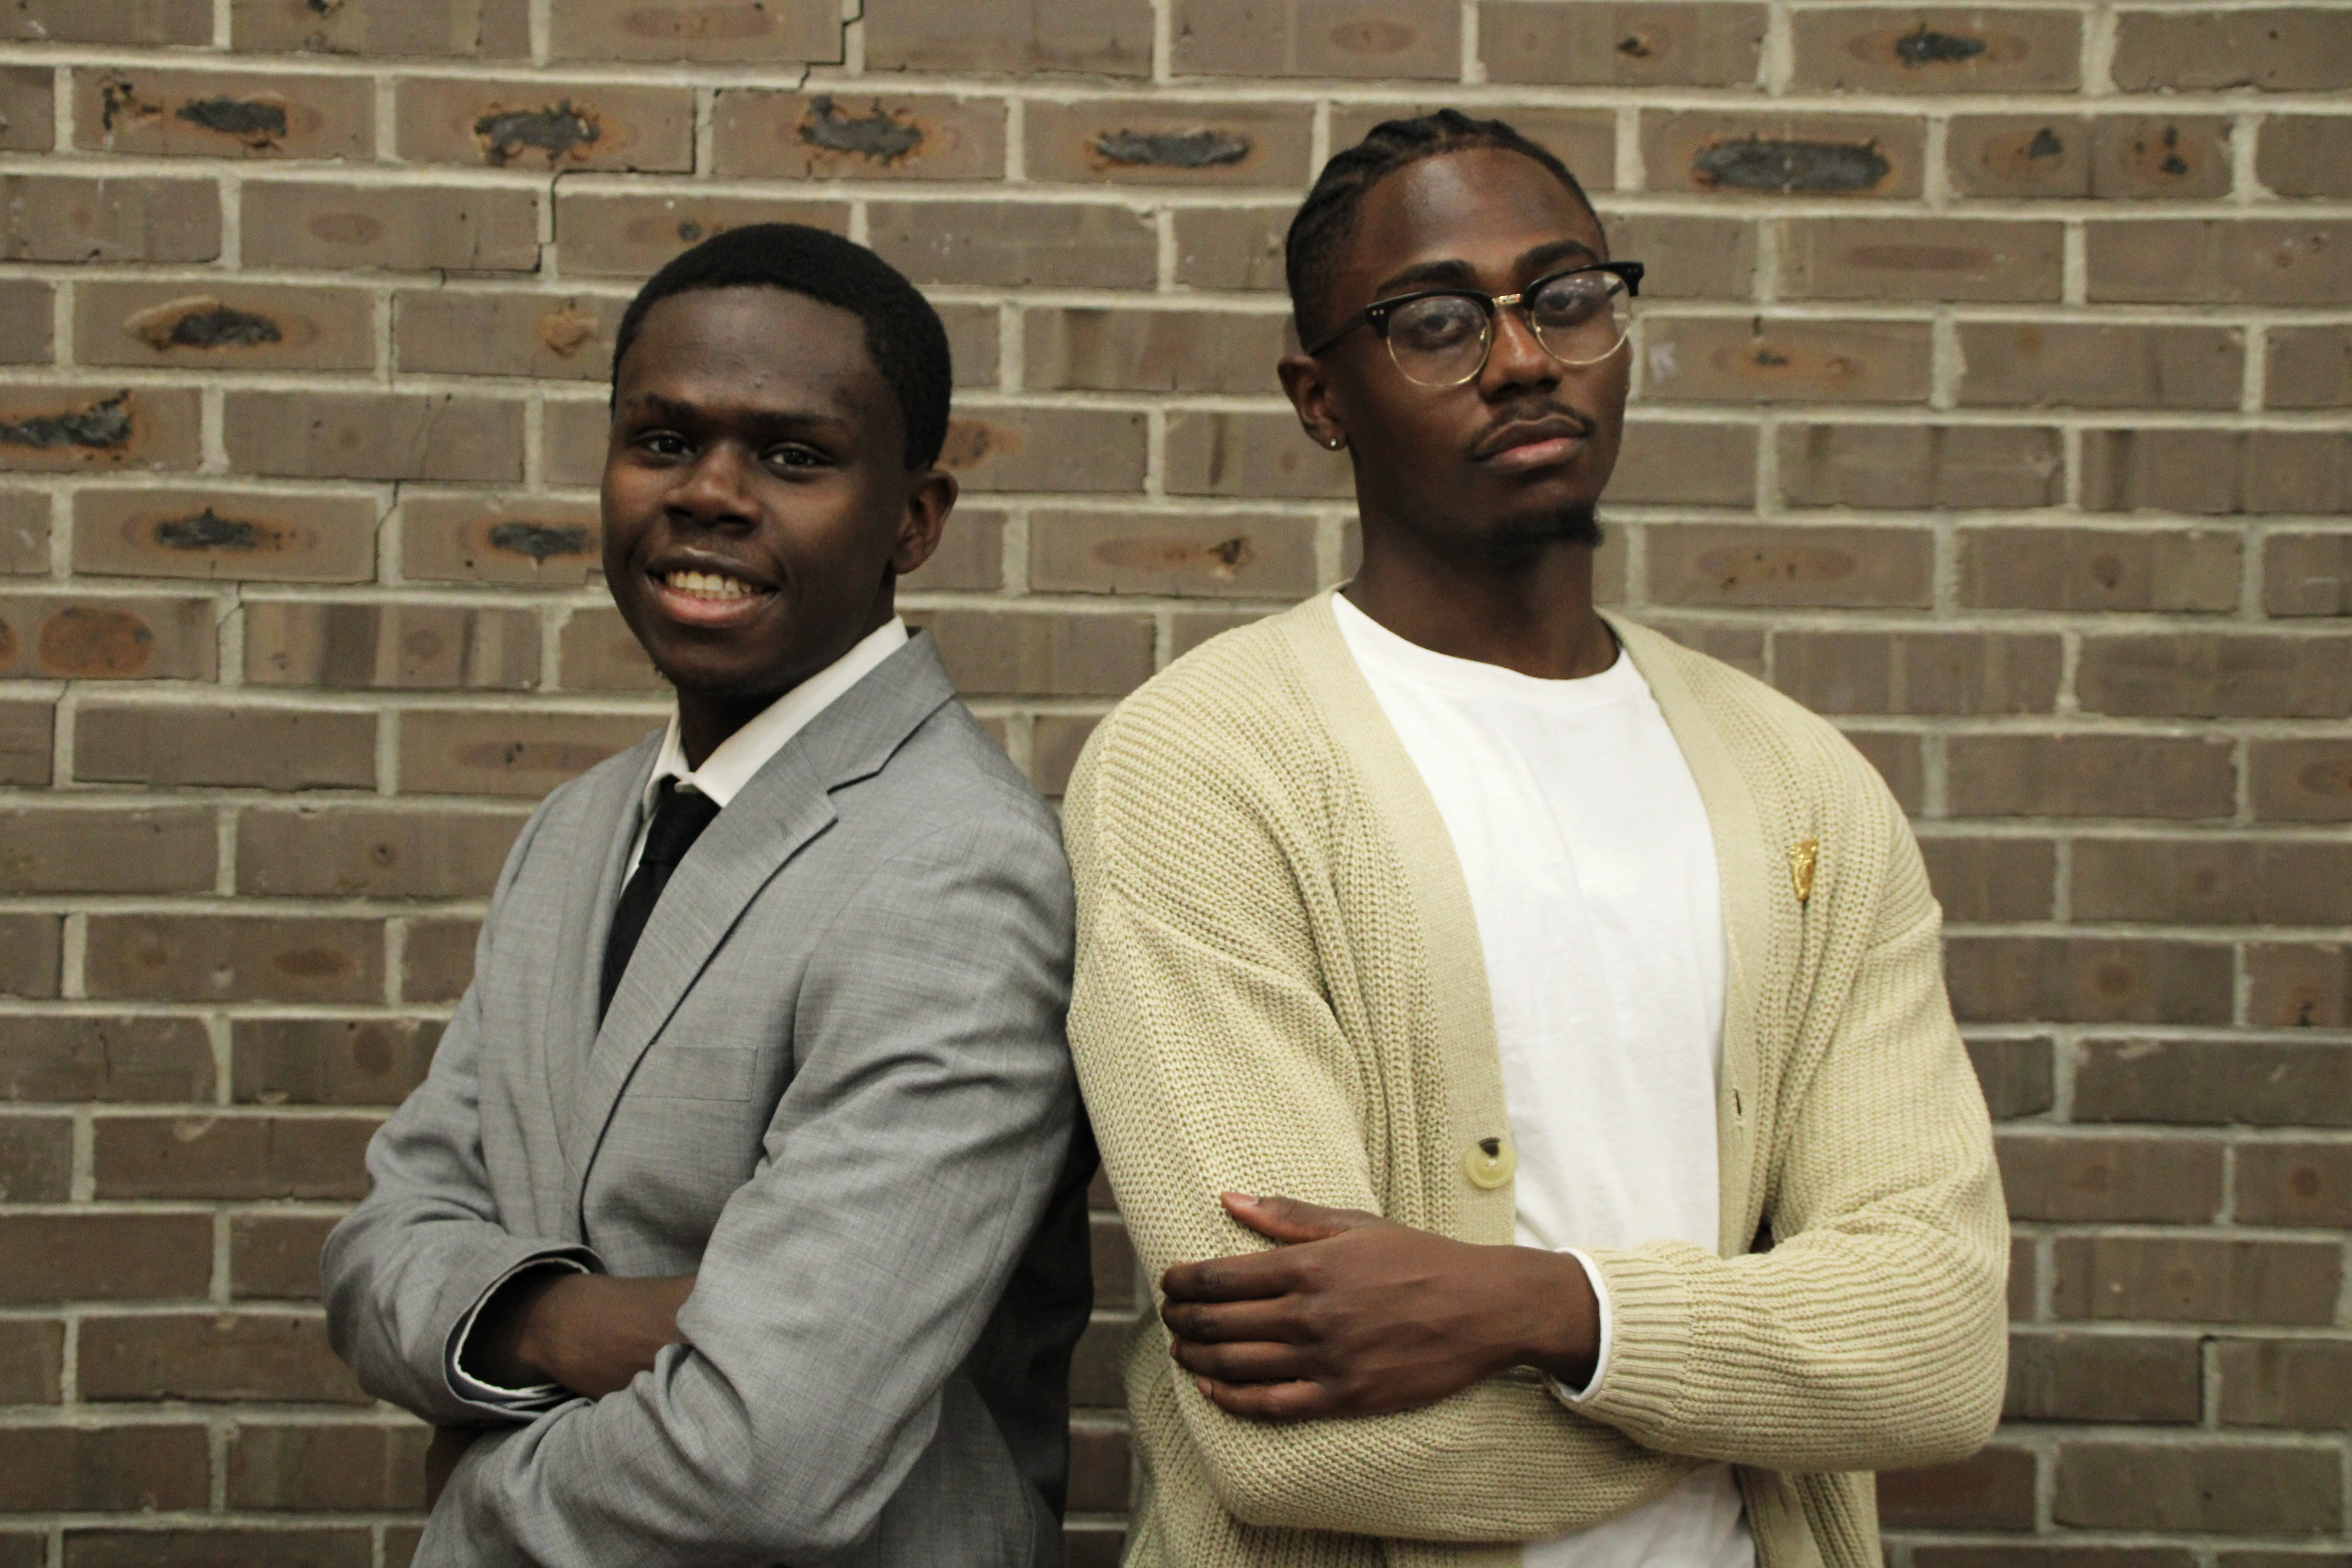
(489, 1395)
(1601, 1361)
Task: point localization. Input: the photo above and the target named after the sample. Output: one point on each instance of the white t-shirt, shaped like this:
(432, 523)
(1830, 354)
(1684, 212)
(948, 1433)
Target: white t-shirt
(1591, 872)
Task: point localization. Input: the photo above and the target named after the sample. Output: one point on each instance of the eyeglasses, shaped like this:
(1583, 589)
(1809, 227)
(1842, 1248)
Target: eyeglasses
(1441, 337)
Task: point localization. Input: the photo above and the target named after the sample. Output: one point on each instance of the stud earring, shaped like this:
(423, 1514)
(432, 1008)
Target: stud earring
(1333, 443)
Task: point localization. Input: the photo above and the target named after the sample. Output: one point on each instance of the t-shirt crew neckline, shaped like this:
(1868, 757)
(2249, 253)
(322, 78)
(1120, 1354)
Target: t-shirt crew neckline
(1621, 682)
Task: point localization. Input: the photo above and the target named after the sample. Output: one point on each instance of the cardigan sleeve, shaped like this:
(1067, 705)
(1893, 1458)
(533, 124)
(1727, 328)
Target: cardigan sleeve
(1871, 1335)
(1212, 1060)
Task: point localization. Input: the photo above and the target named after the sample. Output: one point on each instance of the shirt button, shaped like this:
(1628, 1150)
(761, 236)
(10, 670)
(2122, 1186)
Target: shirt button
(1490, 1162)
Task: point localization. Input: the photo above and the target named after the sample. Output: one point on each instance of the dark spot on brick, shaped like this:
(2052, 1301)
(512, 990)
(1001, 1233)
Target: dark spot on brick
(207, 530)
(201, 324)
(1204, 149)
(1926, 47)
(2045, 144)
(880, 135)
(688, 230)
(1754, 163)
(1232, 553)
(554, 131)
(540, 540)
(1771, 357)
(255, 121)
(101, 425)
(2174, 164)
(1635, 46)
(118, 100)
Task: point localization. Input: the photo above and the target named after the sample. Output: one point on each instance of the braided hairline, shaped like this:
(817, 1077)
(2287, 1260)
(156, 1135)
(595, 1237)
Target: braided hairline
(1326, 219)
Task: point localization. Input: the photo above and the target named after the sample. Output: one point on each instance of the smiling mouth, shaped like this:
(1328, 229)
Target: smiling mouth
(709, 585)
(708, 599)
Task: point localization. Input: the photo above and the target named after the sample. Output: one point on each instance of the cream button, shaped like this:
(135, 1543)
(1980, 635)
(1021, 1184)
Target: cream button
(1490, 1162)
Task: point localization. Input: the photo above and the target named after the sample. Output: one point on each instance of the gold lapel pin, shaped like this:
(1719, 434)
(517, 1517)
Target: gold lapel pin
(1802, 857)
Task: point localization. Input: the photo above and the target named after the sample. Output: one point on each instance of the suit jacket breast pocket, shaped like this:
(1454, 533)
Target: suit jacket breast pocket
(695, 1072)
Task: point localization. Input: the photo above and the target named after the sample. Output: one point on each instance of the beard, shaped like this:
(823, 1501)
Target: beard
(1515, 541)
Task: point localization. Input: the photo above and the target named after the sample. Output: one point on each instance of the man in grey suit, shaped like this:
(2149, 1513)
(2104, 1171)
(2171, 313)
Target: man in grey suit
(742, 1213)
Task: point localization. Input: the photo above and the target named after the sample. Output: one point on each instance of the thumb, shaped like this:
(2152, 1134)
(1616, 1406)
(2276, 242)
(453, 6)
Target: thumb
(1290, 1220)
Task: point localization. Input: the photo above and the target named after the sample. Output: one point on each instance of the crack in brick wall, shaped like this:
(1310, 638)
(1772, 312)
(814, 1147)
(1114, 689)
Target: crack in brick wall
(1991, 379)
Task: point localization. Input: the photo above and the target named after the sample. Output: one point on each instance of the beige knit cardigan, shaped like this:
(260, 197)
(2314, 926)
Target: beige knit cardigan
(1280, 990)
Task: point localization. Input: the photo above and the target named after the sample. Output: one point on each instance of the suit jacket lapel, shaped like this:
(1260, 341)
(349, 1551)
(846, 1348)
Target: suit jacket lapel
(787, 804)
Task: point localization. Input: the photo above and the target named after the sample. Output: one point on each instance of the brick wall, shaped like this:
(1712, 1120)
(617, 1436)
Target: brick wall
(1990, 399)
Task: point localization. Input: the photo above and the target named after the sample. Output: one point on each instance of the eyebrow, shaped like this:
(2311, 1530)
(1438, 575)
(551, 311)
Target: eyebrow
(1453, 271)
(681, 411)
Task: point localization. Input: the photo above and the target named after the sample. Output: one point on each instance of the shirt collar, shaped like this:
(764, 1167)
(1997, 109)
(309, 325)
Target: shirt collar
(733, 763)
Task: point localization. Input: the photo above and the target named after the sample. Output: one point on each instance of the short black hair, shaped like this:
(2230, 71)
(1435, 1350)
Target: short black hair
(1326, 219)
(902, 331)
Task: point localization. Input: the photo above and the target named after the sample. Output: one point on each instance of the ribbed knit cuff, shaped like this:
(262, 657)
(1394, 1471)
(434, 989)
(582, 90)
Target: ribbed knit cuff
(1649, 1343)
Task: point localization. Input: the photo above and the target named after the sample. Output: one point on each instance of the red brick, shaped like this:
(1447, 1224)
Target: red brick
(2285, 50)
(330, 1061)
(2090, 775)
(1920, 258)
(464, 29)
(1092, 350)
(1747, 564)
(1318, 38)
(1099, 1467)
(62, 217)
(64, 427)
(1013, 448)
(1942, 465)
(223, 114)
(1739, 646)
(1716, 359)
(403, 228)
(103, 1257)
(1054, 741)
(275, 1256)
(463, 751)
(765, 32)
(1095, 1382)
(2087, 980)
(2199, 1487)
(1251, 457)
(1992, 1489)
(1170, 142)
(2028, 363)
(2298, 985)
(599, 653)
(437, 960)
(104, 1470)
(335, 1468)
(28, 109)
(246, 328)
(79, 849)
(1039, 245)
(2310, 367)
(2140, 568)
(1732, 154)
(1683, 461)
(24, 534)
(633, 236)
(390, 645)
(2300, 780)
(1100, 38)
(763, 134)
(373, 852)
(346, 1546)
(198, 1356)
(1918, 672)
(971, 556)
(251, 958)
(1042, 654)
(2196, 1279)
(2053, 1177)
(28, 321)
(541, 124)
(2305, 154)
(2015, 1075)
(2210, 675)
(375, 436)
(2214, 881)
(470, 332)
(108, 638)
(32, 1368)
(2212, 1082)
(575, 434)
(35, 1159)
(1710, 258)
(2307, 575)
(1613, 45)
(2258, 261)
(2217, 470)
(56, 1057)
(240, 1156)
(251, 745)
(1853, 49)
(30, 949)
(1242, 555)
(2066, 1376)
(529, 540)
(1992, 878)
(2308, 1185)
(244, 535)
(109, 21)
(1232, 248)
(2110, 157)
(2285, 1383)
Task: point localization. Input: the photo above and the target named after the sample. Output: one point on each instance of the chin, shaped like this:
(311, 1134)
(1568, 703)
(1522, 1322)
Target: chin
(1518, 534)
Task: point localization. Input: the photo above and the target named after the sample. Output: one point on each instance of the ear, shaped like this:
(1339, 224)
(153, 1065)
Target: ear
(930, 496)
(1308, 383)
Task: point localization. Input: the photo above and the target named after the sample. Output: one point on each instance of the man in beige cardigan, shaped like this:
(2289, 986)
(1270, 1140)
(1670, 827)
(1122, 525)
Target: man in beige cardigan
(1519, 1044)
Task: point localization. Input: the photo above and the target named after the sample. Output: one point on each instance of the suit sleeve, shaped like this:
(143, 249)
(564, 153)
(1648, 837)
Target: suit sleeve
(1212, 1060)
(907, 1166)
(406, 1270)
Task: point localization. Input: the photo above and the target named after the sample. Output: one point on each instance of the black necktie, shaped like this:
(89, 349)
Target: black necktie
(679, 818)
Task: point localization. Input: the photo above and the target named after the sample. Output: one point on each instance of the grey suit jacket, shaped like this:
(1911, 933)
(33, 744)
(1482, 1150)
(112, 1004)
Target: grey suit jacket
(833, 1082)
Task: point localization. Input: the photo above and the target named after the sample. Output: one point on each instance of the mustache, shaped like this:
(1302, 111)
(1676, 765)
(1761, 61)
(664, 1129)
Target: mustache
(1528, 412)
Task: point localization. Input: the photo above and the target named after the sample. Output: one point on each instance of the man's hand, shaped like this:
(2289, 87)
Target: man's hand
(588, 1333)
(1355, 1315)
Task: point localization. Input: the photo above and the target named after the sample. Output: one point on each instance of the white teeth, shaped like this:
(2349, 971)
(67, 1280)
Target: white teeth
(708, 585)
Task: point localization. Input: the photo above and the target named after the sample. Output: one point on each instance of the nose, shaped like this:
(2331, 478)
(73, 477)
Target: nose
(713, 490)
(1517, 361)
